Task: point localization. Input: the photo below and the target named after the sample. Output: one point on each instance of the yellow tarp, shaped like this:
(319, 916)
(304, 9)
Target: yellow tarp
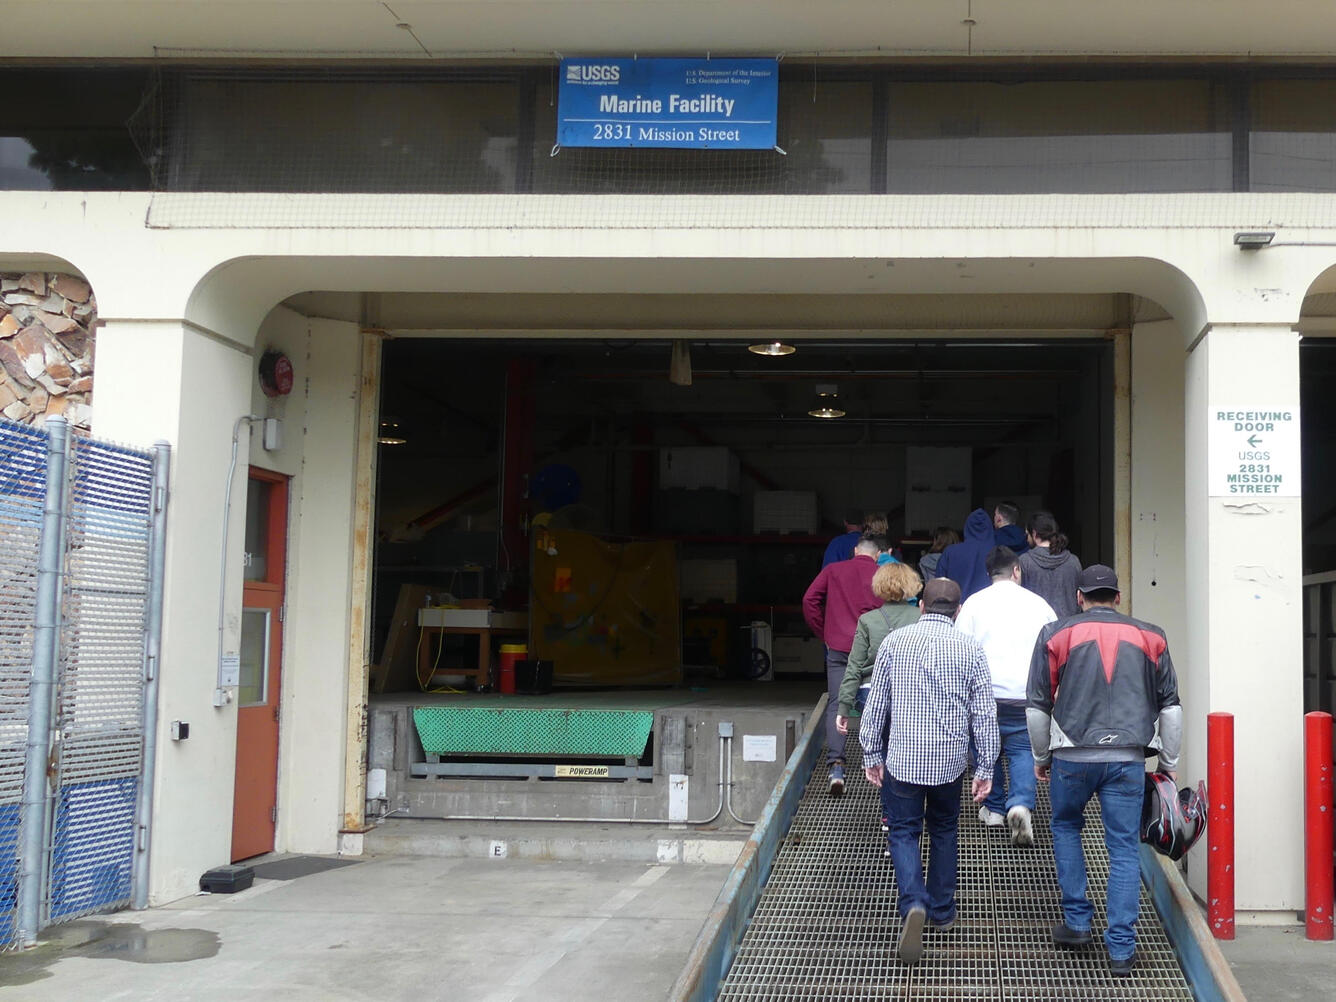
(605, 613)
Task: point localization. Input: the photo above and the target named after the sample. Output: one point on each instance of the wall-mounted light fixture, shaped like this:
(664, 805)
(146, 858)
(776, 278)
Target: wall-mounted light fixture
(389, 432)
(771, 348)
(827, 402)
(1251, 240)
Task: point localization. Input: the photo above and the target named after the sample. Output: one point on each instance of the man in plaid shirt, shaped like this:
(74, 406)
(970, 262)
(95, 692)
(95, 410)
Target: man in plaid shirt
(931, 690)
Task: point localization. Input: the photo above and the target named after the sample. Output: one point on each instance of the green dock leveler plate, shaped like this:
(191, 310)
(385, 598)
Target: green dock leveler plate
(448, 730)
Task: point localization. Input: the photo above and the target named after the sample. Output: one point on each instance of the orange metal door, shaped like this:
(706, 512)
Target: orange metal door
(255, 802)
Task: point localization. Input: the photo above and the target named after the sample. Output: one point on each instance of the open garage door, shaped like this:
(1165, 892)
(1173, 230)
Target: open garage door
(735, 466)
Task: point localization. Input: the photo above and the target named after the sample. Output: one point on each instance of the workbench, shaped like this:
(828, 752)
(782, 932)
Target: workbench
(485, 624)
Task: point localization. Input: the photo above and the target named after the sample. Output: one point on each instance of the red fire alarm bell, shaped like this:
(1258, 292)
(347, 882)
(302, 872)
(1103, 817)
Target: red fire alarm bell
(275, 374)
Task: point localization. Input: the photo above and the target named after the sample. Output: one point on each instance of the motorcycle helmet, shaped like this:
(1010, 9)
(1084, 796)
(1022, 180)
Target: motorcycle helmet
(1172, 820)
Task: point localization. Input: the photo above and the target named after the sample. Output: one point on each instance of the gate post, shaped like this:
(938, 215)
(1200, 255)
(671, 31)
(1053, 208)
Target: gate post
(34, 818)
(157, 563)
(1220, 824)
(1317, 826)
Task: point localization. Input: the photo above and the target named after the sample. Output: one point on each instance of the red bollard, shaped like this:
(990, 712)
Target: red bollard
(1220, 824)
(1317, 825)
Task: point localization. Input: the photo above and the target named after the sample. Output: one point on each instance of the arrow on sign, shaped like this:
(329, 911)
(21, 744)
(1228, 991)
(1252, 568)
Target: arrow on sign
(1253, 440)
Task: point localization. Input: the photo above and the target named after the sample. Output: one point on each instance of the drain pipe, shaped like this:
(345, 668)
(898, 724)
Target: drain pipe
(723, 741)
(220, 694)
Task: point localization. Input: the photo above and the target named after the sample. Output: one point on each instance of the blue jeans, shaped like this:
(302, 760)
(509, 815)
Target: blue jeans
(1019, 791)
(906, 806)
(1121, 787)
(835, 664)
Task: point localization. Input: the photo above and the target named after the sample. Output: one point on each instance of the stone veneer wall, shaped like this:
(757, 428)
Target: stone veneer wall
(46, 348)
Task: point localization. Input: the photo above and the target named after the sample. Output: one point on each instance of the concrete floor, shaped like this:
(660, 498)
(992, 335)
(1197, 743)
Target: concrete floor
(390, 928)
(1277, 964)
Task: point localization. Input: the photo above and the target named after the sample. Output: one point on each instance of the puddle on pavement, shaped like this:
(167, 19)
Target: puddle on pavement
(106, 941)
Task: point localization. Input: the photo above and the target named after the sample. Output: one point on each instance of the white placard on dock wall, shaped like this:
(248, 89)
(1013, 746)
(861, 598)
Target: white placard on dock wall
(758, 747)
(1254, 451)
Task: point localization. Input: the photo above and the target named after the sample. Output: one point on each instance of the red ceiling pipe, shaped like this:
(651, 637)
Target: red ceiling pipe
(1220, 824)
(1317, 825)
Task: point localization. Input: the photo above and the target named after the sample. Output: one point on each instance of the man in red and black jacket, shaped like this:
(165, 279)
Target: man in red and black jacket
(1102, 694)
(832, 604)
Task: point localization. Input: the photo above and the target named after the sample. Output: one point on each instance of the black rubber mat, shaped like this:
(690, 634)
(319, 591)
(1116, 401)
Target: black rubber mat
(299, 866)
(826, 925)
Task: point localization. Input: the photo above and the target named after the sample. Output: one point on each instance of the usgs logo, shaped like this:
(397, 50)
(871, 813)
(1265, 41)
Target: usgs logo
(598, 73)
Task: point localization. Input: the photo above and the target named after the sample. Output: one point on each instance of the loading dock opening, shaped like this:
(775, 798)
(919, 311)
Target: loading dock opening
(493, 445)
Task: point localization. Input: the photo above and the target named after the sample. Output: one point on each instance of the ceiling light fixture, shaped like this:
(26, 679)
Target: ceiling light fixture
(389, 432)
(771, 348)
(827, 402)
(679, 364)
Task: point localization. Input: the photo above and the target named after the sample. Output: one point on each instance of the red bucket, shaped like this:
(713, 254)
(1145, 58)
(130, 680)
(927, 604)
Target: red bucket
(510, 654)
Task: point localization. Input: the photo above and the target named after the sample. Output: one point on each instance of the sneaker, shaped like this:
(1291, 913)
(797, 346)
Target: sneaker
(910, 947)
(991, 819)
(1064, 935)
(942, 925)
(1122, 968)
(837, 779)
(1018, 820)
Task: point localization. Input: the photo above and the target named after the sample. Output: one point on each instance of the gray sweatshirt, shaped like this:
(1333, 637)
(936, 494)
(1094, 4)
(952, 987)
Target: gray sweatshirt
(1052, 576)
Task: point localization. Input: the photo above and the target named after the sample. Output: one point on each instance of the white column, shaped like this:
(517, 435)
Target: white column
(319, 435)
(1244, 581)
(1156, 588)
(169, 380)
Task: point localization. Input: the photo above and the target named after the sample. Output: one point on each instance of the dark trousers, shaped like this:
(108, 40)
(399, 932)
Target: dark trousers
(836, 661)
(907, 807)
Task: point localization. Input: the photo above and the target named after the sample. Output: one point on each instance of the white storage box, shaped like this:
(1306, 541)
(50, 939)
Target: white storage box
(799, 656)
(695, 467)
(938, 487)
(709, 580)
(785, 511)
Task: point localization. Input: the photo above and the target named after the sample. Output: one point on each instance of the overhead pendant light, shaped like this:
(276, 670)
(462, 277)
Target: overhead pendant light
(389, 432)
(827, 402)
(771, 348)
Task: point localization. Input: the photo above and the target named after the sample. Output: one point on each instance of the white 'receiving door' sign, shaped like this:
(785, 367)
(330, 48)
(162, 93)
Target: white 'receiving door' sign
(1254, 452)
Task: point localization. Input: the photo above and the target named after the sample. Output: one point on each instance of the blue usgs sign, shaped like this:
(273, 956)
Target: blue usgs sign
(727, 104)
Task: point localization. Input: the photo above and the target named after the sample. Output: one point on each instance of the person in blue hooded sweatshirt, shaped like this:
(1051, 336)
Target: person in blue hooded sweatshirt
(1006, 531)
(964, 562)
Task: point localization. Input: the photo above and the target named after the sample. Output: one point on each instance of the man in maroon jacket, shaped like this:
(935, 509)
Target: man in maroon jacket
(832, 604)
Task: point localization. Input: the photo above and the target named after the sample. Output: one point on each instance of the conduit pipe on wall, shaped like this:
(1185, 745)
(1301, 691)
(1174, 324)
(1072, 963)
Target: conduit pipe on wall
(728, 799)
(724, 750)
(220, 695)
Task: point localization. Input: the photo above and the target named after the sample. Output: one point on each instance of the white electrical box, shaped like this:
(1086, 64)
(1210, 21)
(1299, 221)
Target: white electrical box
(272, 435)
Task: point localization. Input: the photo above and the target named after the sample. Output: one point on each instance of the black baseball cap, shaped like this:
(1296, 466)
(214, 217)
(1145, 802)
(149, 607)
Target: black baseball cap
(941, 595)
(1097, 577)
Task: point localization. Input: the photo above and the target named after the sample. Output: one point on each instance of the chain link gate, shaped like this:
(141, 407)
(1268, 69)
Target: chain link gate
(81, 539)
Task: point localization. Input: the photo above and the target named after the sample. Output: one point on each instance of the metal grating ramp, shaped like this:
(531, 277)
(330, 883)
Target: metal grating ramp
(826, 924)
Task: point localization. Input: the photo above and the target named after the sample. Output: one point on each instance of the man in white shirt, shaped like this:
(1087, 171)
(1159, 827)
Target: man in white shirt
(1006, 619)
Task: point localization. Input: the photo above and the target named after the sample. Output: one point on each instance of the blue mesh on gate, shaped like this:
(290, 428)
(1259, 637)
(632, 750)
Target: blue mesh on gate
(94, 847)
